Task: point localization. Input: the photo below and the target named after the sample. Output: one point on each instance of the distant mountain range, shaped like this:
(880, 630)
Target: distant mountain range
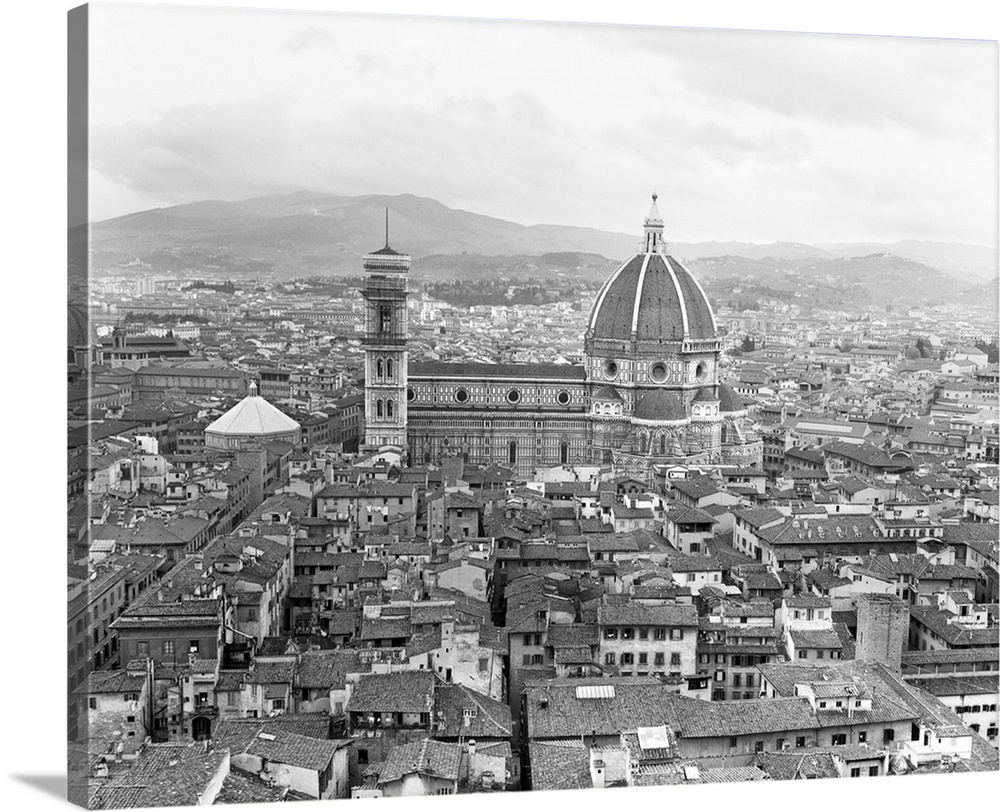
(309, 233)
(872, 280)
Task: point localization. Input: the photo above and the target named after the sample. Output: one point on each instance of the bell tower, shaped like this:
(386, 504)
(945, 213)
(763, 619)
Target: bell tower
(385, 294)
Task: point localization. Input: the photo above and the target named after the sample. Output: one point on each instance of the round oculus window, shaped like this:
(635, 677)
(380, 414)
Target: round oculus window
(562, 398)
(701, 371)
(513, 396)
(410, 394)
(462, 396)
(610, 370)
(658, 372)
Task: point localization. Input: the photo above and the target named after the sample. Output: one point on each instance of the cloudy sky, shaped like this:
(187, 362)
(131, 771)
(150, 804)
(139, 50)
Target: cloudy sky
(746, 136)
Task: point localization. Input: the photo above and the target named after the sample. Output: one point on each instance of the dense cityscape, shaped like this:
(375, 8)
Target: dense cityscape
(374, 535)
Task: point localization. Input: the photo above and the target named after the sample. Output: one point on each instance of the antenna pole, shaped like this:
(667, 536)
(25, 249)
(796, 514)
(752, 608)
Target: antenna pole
(386, 226)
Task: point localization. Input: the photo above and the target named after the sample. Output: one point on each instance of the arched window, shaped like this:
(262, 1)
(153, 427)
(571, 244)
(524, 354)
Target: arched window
(388, 409)
(388, 368)
(643, 440)
(384, 319)
(512, 452)
(378, 369)
(563, 453)
(663, 443)
(378, 409)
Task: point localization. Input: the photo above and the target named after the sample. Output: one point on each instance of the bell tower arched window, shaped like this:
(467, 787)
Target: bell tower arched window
(378, 369)
(388, 369)
(378, 409)
(384, 319)
(389, 409)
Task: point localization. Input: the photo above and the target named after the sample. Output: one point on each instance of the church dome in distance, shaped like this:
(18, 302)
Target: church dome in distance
(652, 296)
(659, 406)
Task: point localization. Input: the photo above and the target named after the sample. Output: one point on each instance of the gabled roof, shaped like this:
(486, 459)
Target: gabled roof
(401, 692)
(634, 613)
(427, 757)
(467, 713)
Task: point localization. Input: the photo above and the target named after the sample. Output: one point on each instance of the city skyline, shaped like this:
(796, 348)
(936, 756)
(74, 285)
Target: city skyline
(630, 497)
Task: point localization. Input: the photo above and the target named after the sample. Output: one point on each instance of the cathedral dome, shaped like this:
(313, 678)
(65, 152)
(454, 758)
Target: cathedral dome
(652, 297)
(659, 406)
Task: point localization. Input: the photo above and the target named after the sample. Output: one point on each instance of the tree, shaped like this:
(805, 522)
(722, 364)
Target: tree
(991, 350)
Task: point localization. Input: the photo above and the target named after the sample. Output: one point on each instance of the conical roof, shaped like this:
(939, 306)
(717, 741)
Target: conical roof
(253, 416)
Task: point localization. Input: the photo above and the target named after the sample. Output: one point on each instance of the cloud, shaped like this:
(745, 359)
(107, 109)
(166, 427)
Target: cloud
(452, 151)
(310, 37)
(933, 87)
(745, 136)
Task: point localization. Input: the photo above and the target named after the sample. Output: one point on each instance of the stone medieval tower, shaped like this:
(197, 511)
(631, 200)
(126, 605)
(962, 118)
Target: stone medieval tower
(385, 345)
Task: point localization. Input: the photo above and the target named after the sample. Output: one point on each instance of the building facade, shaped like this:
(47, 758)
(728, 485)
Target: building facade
(648, 391)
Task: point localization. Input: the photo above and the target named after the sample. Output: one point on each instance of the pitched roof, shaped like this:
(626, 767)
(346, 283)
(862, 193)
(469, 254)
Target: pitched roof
(560, 765)
(401, 692)
(274, 743)
(114, 682)
(698, 719)
(427, 757)
(467, 713)
(480, 372)
(634, 613)
(560, 709)
(815, 638)
(327, 669)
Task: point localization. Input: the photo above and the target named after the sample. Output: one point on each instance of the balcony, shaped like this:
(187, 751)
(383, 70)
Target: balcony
(386, 723)
(204, 709)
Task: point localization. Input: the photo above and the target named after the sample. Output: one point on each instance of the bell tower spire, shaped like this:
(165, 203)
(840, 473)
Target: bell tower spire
(385, 344)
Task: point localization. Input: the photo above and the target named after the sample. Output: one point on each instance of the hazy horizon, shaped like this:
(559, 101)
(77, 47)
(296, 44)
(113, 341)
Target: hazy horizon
(634, 231)
(746, 136)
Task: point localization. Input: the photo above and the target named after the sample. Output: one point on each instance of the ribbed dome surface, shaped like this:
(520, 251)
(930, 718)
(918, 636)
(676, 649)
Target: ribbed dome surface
(651, 297)
(607, 393)
(660, 405)
(729, 401)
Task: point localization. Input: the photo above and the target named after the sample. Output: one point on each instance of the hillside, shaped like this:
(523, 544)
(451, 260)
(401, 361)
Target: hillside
(307, 233)
(875, 280)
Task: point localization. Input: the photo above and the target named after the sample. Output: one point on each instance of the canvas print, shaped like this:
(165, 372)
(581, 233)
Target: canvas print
(616, 410)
